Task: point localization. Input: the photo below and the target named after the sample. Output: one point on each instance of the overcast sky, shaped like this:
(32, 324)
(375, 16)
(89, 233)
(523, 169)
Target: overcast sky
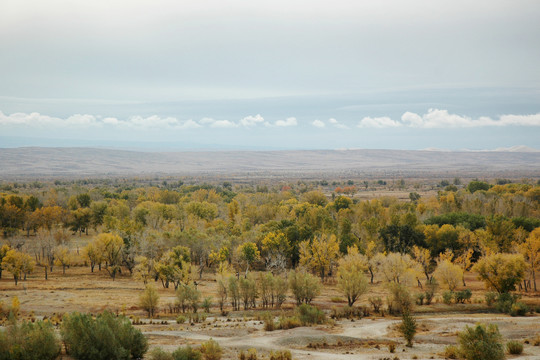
(274, 74)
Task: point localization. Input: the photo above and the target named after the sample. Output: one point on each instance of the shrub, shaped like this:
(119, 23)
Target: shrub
(514, 347)
(281, 355)
(309, 315)
(250, 355)
(481, 343)
(519, 309)
(376, 303)
(420, 299)
(106, 337)
(392, 347)
(207, 304)
(149, 300)
(461, 296)
(491, 297)
(400, 300)
(180, 319)
(211, 350)
(186, 353)
(159, 354)
(431, 288)
(289, 322)
(268, 322)
(447, 297)
(304, 286)
(348, 312)
(29, 341)
(408, 327)
(505, 301)
(451, 352)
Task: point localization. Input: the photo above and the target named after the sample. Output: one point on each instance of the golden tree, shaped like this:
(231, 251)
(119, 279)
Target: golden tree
(501, 271)
(530, 250)
(320, 255)
(350, 276)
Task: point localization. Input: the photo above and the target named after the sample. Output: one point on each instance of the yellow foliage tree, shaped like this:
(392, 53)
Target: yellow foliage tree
(18, 263)
(397, 268)
(530, 249)
(350, 276)
(448, 274)
(320, 255)
(501, 271)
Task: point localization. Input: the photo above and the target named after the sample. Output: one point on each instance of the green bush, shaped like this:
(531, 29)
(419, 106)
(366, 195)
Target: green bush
(309, 315)
(505, 301)
(408, 327)
(186, 353)
(514, 347)
(447, 297)
(28, 341)
(519, 309)
(207, 304)
(180, 319)
(461, 296)
(159, 354)
(491, 297)
(481, 343)
(105, 337)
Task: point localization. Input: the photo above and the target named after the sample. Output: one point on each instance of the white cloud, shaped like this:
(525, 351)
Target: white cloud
(318, 123)
(85, 120)
(436, 118)
(206, 120)
(378, 122)
(251, 120)
(289, 122)
(223, 124)
(337, 124)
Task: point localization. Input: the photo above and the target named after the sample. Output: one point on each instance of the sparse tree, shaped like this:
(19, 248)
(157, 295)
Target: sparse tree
(350, 277)
(448, 274)
(63, 257)
(149, 300)
(249, 254)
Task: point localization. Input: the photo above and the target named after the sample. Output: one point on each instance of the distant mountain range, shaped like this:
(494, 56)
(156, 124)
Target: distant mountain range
(46, 162)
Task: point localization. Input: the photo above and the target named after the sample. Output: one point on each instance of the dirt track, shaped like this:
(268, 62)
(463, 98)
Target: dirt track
(347, 339)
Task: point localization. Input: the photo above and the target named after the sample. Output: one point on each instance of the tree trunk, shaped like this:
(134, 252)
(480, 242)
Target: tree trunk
(371, 273)
(46, 275)
(16, 279)
(534, 279)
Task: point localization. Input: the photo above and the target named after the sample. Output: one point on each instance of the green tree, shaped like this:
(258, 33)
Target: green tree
(248, 253)
(408, 327)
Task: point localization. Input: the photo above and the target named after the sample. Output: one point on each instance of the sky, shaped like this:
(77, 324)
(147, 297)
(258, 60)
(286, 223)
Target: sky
(270, 75)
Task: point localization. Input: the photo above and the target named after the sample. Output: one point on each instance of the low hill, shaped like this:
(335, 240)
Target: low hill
(78, 162)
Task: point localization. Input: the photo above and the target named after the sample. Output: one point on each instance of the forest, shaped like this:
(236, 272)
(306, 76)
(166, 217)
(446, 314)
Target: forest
(290, 254)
